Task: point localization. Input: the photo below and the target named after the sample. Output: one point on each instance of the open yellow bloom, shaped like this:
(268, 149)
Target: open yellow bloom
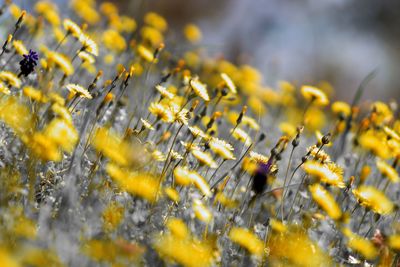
(201, 211)
(20, 48)
(326, 201)
(363, 246)
(324, 173)
(374, 199)
(222, 148)
(155, 20)
(204, 158)
(60, 61)
(79, 90)
(145, 53)
(88, 45)
(34, 94)
(114, 41)
(340, 107)
(10, 78)
(72, 28)
(248, 240)
(314, 95)
(161, 112)
(375, 143)
(200, 89)
(242, 136)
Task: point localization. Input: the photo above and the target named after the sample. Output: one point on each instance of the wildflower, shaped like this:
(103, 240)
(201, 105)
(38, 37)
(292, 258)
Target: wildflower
(10, 79)
(34, 94)
(88, 45)
(152, 35)
(204, 158)
(323, 173)
(373, 199)
(277, 226)
(20, 48)
(192, 33)
(373, 142)
(242, 136)
(314, 95)
(112, 216)
(147, 124)
(27, 65)
(172, 194)
(341, 108)
(4, 89)
(387, 171)
(60, 61)
(200, 89)
(394, 242)
(79, 90)
(248, 240)
(222, 148)
(114, 41)
(201, 212)
(182, 176)
(326, 201)
(197, 132)
(157, 155)
(17, 116)
(139, 184)
(62, 133)
(86, 57)
(161, 112)
(72, 28)
(145, 53)
(155, 20)
(164, 92)
(363, 246)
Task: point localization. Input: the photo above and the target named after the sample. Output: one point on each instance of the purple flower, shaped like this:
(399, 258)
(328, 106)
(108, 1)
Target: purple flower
(27, 65)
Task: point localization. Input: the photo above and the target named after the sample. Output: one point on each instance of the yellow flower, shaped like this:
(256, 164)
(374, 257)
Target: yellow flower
(185, 177)
(43, 148)
(34, 94)
(155, 20)
(314, 95)
(147, 124)
(114, 41)
(139, 184)
(161, 112)
(192, 33)
(62, 112)
(172, 194)
(10, 78)
(323, 173)
(88, 45)
(363, 246)
(222, 148)
(182, 176)
(164, 92)
(20, 47)
(60, 61)
(86, 57)
(112, 216)
(288, 129)
(372, 198)
(201, 212)
(248, 240)
(72, 28)
(277, 226)
(200, 89)
(62, 133)
(387, 171)
(204, 158)
(86, 11)
(394, 242)
(145, 53)
(326, 201)
(341, 108)
(4, 89)
(79, 90)
(17, 116)
(375, 143)
(6, 259)
(242, 136)
(152, 36)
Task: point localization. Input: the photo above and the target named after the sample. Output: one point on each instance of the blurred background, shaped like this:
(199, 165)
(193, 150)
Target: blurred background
(339, 41)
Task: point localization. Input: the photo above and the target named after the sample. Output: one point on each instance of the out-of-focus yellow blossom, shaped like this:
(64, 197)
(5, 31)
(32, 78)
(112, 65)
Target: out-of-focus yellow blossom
(41, 257)
(10, 78)
(200, 89)
(178, 228)
(34, 94)
(192, 33)
(113, 147)
(7, 260)
(152, 35)
(123, 24)
(86, 11)
(364, 173)
(113, 251)
(375, 143)
(326, 201)
(25, 228)
(248, 240)
(4, 89)
(15, 11)
(323, 173)
(139, 184)
(288, 129)
(17, 116)
(164, 92)
(145, 53)
(20, 48)
(181, 248)
(62, 133)
(186, 177)
(363, 246)
(294, 248)
(201, 212)
(172, 194)
(155, 20)
(314, 119)
(60, 61)
(257, 106)
(314, 95)
(114, 41)
(242, 136)
(374, 199)
(88, 45)
(394, 242)
(383, 112)
(341, 108)
(86, 57)
(387, 171)
(226, 201)
(72, 28)
(277, 226)
(112, 216)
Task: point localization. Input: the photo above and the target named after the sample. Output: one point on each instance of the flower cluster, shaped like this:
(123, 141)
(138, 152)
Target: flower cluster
(118, 150)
